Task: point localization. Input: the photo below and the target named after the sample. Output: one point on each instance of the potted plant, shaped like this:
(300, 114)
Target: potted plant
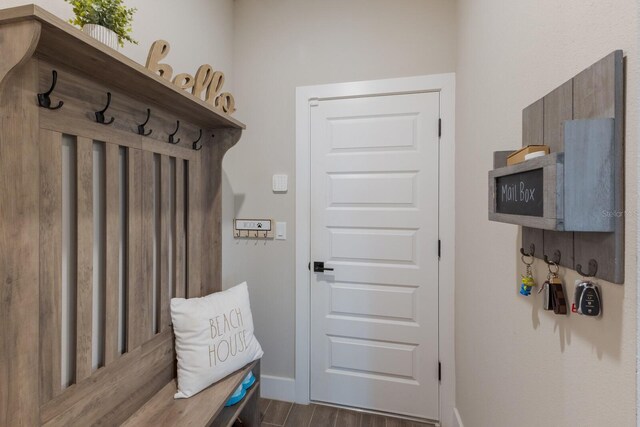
(108, 21)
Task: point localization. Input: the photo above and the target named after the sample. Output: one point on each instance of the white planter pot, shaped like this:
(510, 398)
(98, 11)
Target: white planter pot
(102, 34)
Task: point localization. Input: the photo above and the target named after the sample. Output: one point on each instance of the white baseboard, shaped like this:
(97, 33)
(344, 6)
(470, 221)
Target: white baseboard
(457, 419)
(278, 388)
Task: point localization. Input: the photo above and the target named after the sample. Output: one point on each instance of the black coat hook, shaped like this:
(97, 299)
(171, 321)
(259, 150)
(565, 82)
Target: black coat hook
(172, 135)
(100, 114)
(532, 250)
(593, 269)
(141, 129)
(555, 260)
(43, 98)
(195, 143)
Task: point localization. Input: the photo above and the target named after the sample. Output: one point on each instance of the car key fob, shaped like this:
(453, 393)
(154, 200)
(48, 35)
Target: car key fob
(588, 299)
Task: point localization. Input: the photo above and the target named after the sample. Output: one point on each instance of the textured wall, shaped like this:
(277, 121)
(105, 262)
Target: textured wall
(516, 364)
(278, 46)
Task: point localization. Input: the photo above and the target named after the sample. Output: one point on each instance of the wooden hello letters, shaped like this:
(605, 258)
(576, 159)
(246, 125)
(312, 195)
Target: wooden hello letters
(206, 80)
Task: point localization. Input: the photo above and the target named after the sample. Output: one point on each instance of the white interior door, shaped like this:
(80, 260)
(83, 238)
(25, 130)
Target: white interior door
(374, 221)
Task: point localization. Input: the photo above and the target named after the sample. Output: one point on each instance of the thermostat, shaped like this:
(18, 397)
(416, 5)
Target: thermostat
(280, 183)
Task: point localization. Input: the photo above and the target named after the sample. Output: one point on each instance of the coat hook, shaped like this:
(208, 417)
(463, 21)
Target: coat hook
(141, 129)
(43, 98)
(555, 260)
(195, 143)
(532, 251)
(100, 114)
(171, 135)
(593, 269)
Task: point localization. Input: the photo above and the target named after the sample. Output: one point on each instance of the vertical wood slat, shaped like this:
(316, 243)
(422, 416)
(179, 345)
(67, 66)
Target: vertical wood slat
(165, 229)
(50, 145)
(211, 194)
(598, 92)
(533, 134)
(112, 266)
(19, 242)
(137, 311)
(558, 108)
(148, 248)
(194, 231)
(84, 303)
(180, 233)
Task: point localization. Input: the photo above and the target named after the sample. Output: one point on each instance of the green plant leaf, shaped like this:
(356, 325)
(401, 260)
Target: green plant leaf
(112, 14)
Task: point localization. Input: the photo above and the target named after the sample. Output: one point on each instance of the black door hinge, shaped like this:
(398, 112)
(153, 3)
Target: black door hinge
(439, 371)
(439, 128)
(439, 248)
(309, 266)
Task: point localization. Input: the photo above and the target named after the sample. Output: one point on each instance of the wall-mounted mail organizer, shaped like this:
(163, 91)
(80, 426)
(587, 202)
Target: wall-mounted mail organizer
(253, 228)
(570, 203)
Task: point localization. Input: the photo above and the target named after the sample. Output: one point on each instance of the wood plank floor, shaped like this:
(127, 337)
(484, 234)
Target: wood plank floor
(286, 414)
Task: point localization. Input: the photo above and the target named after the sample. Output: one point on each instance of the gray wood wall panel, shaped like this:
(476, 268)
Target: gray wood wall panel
(558, 107)
(598, 92)
(589, 175)
(533, 134)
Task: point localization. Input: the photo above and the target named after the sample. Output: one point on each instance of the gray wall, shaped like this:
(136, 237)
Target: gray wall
(517, 365)
(278, 46)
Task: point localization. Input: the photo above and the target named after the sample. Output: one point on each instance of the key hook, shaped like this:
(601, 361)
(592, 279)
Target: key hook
(44, 100)
(100, 114)
(555, 260)
(195, 143)
(532, 251)
(141, 129)
(172, 135)
(593, 269)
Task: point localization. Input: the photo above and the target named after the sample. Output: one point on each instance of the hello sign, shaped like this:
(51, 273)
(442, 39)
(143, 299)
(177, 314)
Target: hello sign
(206, 84)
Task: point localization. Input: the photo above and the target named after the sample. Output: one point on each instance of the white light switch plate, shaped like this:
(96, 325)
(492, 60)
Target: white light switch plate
(281, 231)
(280, 183)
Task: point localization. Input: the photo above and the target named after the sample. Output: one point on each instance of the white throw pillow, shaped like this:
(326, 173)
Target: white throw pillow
(214, 338)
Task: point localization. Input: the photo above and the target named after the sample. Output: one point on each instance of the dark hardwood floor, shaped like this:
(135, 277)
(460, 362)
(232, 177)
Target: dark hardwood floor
(286, 414)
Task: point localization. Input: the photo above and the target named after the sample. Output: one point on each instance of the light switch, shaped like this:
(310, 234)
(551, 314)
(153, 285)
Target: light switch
(280, 183)
(281, 231)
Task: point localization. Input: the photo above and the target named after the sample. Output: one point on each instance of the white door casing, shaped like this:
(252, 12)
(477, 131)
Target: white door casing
(444, 84)
(374, 220)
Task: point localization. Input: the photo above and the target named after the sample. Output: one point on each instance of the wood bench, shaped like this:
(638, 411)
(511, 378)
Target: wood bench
(205, 408)
(99, 228)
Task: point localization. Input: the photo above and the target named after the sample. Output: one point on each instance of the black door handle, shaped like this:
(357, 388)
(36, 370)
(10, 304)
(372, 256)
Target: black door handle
(318, 267)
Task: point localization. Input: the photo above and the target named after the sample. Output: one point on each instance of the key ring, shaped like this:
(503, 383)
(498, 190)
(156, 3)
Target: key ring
(557, 268)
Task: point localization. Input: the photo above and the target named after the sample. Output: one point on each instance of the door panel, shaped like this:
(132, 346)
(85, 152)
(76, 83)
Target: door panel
(374, 220)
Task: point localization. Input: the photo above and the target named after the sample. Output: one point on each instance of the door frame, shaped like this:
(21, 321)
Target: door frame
(305, 97)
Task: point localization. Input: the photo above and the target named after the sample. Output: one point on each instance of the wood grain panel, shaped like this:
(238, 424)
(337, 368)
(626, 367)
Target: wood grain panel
(181, 235)
(84, 292)
(138, 309)
(533, 134)
(112, 236)
(148, 223)
(194, 231)
(199, 410)
(166, 267)
(558, 107)
(125, 384)
(50, 145)
(598, 92)
(19, 246)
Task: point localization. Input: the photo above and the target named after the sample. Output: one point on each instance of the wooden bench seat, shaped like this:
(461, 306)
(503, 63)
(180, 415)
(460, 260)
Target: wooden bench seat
(204, 409)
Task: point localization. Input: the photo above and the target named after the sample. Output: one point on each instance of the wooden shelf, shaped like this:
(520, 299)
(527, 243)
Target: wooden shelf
(204, 408)
(569, 191)
(229, 414)
(61, 42)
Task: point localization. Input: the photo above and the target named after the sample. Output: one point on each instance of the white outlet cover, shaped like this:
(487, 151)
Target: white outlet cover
(280, 183)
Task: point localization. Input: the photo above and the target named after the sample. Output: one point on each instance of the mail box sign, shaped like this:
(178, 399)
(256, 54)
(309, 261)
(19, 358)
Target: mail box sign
(520, 193)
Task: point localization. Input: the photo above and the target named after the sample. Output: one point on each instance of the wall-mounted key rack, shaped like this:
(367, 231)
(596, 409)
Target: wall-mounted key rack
(570, 203)
(253, 228)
